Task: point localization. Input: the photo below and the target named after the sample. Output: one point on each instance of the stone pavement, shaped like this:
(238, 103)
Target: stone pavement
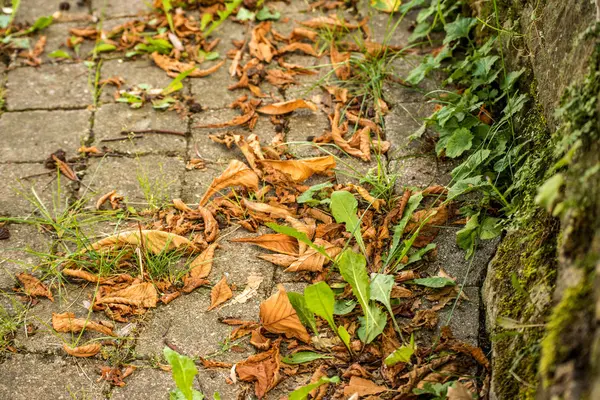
(52, 107)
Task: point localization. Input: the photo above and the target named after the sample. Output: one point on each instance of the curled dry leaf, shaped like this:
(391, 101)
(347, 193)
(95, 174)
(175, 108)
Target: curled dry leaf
(104, 198)
(33, 287)
(261, 368)
(219, 294)
(312, 260)
(153, 240)
(301, 47)
(211, 227)
(363, 387)
(236, 174)
(286, 107)
(259, 341)
(173, 67)
(459, 392)
(277, 315)
(140, 295)
(66, 322)
(364, 193)
(65, 169)
(277, 242)
(88, 350)
(273, 210)
(199, 269)
(301, 170)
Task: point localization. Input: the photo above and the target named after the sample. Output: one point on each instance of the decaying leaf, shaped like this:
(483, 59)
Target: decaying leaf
(66, 322)
(251, 289)
(262, 368)
(236, 174)
(301, 170)
(153, 240)
(363, 387)
(33, 287)
(139, 295)
(220, 293)
(278, 316)
(286, 107)
(199, 269)
(277, 242)
(312, 260)
(173, 67)
(88, 350)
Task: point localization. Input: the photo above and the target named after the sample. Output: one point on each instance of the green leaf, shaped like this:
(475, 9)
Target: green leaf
(466, 238)
(550, 191)
(460, 141)
(344, 207)
(208, 56)
(104, 48)
(167, 8)
(302, 357)
(489, 228)
(388, 6)
(434, 282)
(343, 307)
(372, 324)
(466, 185)
(307, 196)
(59, 54)
(419, 73)
(418, 255)
(320, 300)
(301, 236)
(302, 393)
(473, 162)
(176, 84)
(216, 396)
(459, 28)
(344, 335)
(205, 20)
(402, 354)
(381, 290)
(306, 316)
(411, 206)
(39, 24)
(4, 21)
(265, 14)
(484, 65)
(245, 15)
(184, 370)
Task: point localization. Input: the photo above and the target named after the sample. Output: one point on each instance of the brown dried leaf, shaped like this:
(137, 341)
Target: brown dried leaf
(278, 316)
(66, 322)
(312, 260)
(153, 240)
(261, 368)
(297, 46)
(140, 295)
(277, 242)
(286, 107)
(459, 392)
(211, 227)
(199, 269)
(33, 287)
(65, 169)
(363, 387)
(88, 350)
(236, 174)
(259, 341)
(174, 67)
(219, 294)
(301, 170)
(274, 211)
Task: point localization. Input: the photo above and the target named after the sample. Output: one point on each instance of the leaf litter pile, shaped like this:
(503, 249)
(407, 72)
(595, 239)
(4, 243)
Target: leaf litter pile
(365, 326)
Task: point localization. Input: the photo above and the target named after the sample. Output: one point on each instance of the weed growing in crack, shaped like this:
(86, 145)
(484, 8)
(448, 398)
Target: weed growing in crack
(11, 319)
(155, 189)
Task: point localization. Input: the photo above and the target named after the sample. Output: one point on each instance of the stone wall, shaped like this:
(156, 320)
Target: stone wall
(541, 292)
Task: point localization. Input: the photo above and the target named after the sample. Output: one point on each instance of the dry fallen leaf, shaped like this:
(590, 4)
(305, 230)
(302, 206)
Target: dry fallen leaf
(278, 316)
(313, 261)
(219, 294)
(459, 392)
(33, 287)
(286, 107)
(301, 170)
(140, 295)
(263, 369)
(153, 240)
(200, 268)
(236, 174)
(174, 67)
(252, 284)
(88, 350)
(277, 242)
(66, 322)
(363, 387)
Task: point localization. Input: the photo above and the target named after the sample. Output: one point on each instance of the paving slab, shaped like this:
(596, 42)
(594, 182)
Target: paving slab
(119, 8)
(211, 91)
(464, 319)
(30, 10)
(16, 252)
(133, 72)
(32, 376)
(144, 384)
(403, 121)
(17, 197)
(34, 135)
(420, 171)
(394, 30)
(48, 86)
(160, 175)
(302, 129)
(56, 38)
(111, 119)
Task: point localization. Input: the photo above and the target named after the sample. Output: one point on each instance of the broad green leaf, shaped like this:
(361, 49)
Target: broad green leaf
(303, 392)
(177, 394)
(307, 196)
(434, 282)
(59, 54)
(418, 255)
(550, 191)
(344, 335)
(460, 141)
(208, 56)
(372, 326)
(176, 84)
(344, 207)
(466, 185)
(466, 238)
(265, 14)
(38, 25)
(472, 162)
(216, 396)
(484, 65)
(381, 290)
(184, 370)
(104, 48)
(4, 21)
(459, 28)
(245, 15)
(343, 307)
(301, 236)
(419, 73)
(302, 357)
(401, 354)
(489, 228)
(320, 300)
(306, 316)
(205, 20)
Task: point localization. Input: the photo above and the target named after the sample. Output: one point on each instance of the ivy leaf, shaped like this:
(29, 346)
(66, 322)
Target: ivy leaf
(184, 370)
(306, 316)
(460, 141)
(303, 392)
(459, 29)
(302, 357)
(434, 282)
(372, 324)
(401, 354)
(344, 207)
(320, 300)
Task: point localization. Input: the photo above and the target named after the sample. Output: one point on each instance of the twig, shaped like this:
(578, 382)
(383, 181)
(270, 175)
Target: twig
(163, 131)
(121, 139)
